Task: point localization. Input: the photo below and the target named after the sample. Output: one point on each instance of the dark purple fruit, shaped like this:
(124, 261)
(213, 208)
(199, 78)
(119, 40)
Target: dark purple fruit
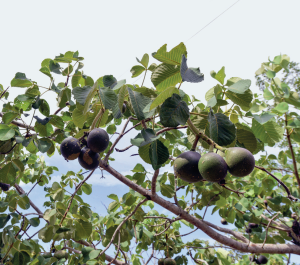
(4, 186)
(223, 221)
(240, 161)
(70, 148)
(88, 159)
(161, 261)
(169, 261)
(252, 225)
(186, 167)
(262, 259)
(212, 167)
(124, 107)
(248, 230)
(98, 140)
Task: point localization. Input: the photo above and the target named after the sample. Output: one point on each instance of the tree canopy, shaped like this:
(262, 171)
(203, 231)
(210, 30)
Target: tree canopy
(261, 206)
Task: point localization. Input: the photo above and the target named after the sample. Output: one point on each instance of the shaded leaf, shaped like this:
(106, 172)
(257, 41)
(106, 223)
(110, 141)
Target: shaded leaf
(158, 154)
(20, 80)
(240, 86)
(163, 96)
(220, 76)
(192, 75)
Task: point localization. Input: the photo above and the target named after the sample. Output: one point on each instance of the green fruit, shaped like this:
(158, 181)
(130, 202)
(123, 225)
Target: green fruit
(212, 167)
(88, 159)
(47, 255)
(70, 148)
(240, 161)
(61, 254)
(161, 261)
(262, 259)
(186, 167)
(169, 261)
(98, 140)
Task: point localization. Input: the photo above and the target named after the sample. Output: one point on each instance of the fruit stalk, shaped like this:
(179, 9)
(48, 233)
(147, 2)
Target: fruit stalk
(203, 136)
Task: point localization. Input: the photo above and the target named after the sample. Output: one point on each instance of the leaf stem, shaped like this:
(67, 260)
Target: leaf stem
(144, 77)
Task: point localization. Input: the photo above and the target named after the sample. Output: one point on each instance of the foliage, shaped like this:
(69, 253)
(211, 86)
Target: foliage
(166, 122)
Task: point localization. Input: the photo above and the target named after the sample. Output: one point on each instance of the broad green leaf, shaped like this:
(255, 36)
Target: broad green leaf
(43, 130)
(149, 136)
(20, 258)
(35, 221)
(174, 111)
(6, 132)
(23, 202)
(121, 96)
(81, 93)
(108, 97)
(44, 108)
(109, 81)
(243, 100)
(163, 96)
(267, 94)
(54, 67)
(63, 97)
(192, 75)
(222, 130)
(20, 80)
(220, 76)
(137, 70)
(46, 234)
(138, 168)
(8, 117)
(270, 74)
(172, 57)
(139, 102)
(167, 190)
(3, 220)
(76, 79)
(42, 121)
(44, 144)
(264, 117)
(89, 253)
(87, 188)
(247, 138)
(158, 154)
(145, 60)
(8, 174)
(46, 71)
(282, 107)
(68, 70)
(18, 164)
(57, 121)
(144, 153)
(240, 86)
(59, 195)
(166, 75)
(113, 206)
(79, 117)
(83, 229)
(270, 132)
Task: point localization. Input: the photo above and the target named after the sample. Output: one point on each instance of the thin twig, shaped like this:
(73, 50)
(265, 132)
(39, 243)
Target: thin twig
(187, 233)
(152, 254)
(9, 150)
(119, 239)
(171, 128)
(153, 184)
(268, 228)
(125, 149)
(209, 204)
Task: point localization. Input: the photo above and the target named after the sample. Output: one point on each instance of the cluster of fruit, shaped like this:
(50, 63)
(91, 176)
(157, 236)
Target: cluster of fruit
(190, 166)
(166, 261)
(88, 156)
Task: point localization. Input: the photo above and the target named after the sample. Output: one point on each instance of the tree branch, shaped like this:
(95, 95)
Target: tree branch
(153, 183)
(19, 124)
(268, 228)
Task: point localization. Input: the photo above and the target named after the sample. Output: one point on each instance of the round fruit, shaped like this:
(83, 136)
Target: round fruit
(88, 159)
(98, 140)
(169, 261)
(161, 261)
(70, 148)
(124, 108)
(61, 254)
(262, 259)
(240, 161)
(248, 230)
(252, 225)
(186, 167)
(212, 167)
(4, 186)
(223, 221)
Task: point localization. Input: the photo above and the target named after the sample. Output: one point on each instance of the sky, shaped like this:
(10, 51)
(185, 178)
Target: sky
(111, 34)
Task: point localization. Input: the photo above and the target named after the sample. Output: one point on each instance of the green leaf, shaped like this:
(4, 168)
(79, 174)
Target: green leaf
(46, 234)
(8, 117)
(160, 99)
(35, 221)
(220, 76)
(113, 197)
(76, 79)
(247, 138)
(46, 71)
(63, 97)
(89, 253)
(222, 130)
(158, 154)
(267, 94)
(79, 117)
(54, 67)
(270, 74)
(111, 129)
(8, 174)
(243, 100)
(145, 60)
(4, 220)
(23, 202)
(139, 102)
(270, 132)
(264, 117)
(113, 206)
(167, 190)
(44, 108)
(109, 81)
(20, 80)
(68, 70)
(6, 132)
(20, 258)
(144, 153)
(192, 75)
(59, 195)
(81, 93)
(174, 111)
(166, 75)
(62, 230)
(18, 164)
(136, 70)
(240, 87)
(172, 57)
(121, 96)
(83, 229)
(57, 121)
(87, 188)
(108, 97)
(282, 107)
(138, 168)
